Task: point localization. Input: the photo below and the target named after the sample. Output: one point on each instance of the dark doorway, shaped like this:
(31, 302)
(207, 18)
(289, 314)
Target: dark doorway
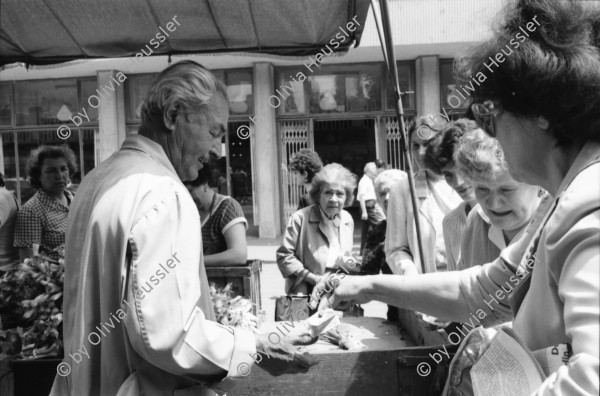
(237, 180)
(350, 143)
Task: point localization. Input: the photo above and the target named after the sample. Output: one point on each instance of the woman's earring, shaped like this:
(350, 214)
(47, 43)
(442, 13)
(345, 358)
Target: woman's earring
(68, 181)
(541, 192)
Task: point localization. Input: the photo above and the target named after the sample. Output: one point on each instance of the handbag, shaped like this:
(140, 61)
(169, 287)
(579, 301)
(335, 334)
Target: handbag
(292, 307)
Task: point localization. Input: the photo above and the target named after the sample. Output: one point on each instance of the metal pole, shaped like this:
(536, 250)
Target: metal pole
(388, 51)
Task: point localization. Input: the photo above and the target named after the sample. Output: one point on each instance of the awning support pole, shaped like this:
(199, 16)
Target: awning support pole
(387, 47)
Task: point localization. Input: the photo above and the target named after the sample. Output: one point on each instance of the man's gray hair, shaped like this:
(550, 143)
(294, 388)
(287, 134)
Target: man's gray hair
(187, 86)
(370, 167)
(387, 179)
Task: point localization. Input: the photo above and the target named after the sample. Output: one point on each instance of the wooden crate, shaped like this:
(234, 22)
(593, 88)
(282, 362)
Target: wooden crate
(6, 377)
(27, 377)
(245, 280)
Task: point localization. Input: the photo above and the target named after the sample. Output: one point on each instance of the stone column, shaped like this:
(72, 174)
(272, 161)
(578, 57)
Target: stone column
(428, 85)
(111, 113)
(266, 166)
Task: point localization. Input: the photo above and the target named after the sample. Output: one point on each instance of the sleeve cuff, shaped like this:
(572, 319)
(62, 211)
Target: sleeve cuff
(244, 352)
(397, 261)
(234, 222)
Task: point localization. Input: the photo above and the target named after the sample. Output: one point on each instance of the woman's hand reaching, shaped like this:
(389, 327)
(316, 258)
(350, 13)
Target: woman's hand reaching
(340, 291)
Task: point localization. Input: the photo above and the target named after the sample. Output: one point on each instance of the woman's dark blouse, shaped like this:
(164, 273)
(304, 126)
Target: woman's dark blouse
(228, 213)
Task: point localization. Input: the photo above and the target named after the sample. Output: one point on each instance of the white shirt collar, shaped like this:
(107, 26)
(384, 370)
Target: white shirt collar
(495, 234)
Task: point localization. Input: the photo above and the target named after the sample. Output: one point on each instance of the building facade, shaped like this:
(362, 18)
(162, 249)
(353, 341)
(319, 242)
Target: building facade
(342, 108)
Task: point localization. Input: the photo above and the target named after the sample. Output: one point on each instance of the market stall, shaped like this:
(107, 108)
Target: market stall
(392, 360)
(74, 30)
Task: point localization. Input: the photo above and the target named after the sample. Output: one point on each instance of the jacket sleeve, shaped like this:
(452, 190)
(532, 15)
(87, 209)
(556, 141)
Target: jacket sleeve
(397, 249)
(165, 322)
(5, 206)
(578, 287)
(287, 260)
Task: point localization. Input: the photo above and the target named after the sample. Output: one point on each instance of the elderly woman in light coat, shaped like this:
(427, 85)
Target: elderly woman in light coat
(318, 238)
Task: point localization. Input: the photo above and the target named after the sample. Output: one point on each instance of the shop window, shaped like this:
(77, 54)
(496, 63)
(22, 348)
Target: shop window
(87, 89)
(48, 102)
(9, 167)
(5, 104)
(239, 90)
(454, 100)
(338, 89)
(406, 78)
(289, 96)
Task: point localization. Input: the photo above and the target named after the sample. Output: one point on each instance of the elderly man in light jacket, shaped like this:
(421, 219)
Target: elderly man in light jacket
(137, 312)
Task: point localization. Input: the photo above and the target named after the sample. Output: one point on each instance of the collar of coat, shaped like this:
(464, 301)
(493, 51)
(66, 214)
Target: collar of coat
(149, 147)
(317, 217)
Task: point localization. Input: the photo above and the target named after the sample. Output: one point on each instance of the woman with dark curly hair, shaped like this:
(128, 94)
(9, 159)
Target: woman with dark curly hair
(42, 221)
(440, 158)
(305, 164)
(539, 97)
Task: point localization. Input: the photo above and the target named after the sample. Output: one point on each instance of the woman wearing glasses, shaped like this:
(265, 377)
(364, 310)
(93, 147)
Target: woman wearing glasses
(435, 199)
(541, 103)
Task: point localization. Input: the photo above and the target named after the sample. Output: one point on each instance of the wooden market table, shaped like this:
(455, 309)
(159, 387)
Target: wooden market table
(388, 366)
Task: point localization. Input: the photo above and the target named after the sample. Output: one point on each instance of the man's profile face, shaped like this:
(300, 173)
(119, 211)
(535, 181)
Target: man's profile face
(200, 138)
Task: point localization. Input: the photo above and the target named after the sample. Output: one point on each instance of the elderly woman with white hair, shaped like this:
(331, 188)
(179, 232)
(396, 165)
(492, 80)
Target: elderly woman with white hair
(373, 254)
(373, 259)
(318, 238)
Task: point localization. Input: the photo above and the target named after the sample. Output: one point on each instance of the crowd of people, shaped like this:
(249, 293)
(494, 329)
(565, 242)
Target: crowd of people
(38, 227)
(533, 167)
(510, 192)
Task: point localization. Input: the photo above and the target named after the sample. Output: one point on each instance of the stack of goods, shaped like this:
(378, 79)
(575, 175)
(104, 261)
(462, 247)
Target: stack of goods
(236, 312)
(345, 335)
(31, 308)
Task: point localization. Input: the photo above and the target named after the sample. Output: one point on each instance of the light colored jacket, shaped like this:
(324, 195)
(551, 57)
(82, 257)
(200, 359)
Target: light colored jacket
(435, 200)
(140, 325)
(561, 303)
(9, 255)
(305, 243)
